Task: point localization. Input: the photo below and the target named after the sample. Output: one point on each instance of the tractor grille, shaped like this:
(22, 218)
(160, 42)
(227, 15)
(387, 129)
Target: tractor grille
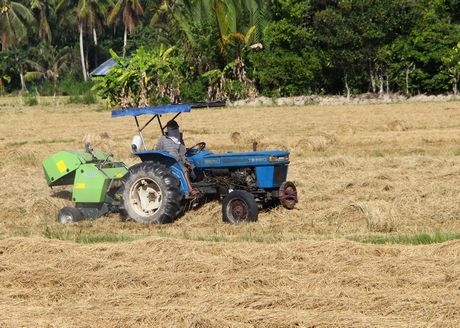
(280, 174)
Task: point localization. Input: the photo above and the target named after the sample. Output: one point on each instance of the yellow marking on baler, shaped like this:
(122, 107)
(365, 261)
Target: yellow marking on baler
(61, 166)
(80, 185)
(118, 175)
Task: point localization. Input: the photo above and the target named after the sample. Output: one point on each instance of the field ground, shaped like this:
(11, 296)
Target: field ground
(379, 173)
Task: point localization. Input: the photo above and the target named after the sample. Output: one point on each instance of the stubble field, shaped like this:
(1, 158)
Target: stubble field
(387, 172)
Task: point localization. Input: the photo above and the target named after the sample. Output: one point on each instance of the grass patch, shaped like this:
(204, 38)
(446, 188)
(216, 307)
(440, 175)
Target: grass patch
(15, 143)
(249, 236)
(423, 238)
(30, 100)
(82, 237)
(88, 98)
(52, 141)
(211, 238)
(102, 238)
(376, 153)
(193, 237)
(415, 151)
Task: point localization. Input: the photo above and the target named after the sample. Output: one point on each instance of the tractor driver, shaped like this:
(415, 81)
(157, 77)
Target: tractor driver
(171, 142)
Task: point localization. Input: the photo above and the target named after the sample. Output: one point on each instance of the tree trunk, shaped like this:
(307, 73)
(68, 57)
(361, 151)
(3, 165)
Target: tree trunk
(143, 99)
(82, 54)
(409, 69)
(347, 87)
(372, 77)
(387, 84)
(455, 76)
(239, 70)
(407, 81)
(95, 37)
(125, 41)
(23, 83)
(96, 59)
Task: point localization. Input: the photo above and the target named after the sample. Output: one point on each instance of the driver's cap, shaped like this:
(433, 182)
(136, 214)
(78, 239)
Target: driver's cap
(172, 124)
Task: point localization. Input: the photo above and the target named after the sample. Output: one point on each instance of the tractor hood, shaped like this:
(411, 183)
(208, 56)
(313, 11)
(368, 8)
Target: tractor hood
(208, 159)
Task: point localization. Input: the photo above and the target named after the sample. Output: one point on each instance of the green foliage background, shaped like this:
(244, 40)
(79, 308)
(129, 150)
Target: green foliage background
(271, 48)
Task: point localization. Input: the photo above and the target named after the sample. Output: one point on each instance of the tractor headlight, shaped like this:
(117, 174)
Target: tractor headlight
(136, 143)
(278, 158)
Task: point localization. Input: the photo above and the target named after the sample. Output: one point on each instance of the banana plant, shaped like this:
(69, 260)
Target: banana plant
(452, 65)
(148, 77)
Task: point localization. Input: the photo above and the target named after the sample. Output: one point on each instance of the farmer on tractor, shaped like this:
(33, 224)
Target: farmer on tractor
(172, 143)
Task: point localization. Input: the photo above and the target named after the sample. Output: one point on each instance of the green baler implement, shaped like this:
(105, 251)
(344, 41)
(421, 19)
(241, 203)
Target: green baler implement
(91, 182)
(60, 167)
(95, 179)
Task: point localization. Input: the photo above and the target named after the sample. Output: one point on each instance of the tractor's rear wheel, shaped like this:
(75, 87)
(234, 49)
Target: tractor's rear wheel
(69, 214)
(151, 194)
(239, 206)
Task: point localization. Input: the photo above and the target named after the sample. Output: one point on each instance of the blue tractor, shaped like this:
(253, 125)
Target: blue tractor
(156, 190)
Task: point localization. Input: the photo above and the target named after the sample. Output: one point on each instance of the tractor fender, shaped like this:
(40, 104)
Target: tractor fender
(167, 160)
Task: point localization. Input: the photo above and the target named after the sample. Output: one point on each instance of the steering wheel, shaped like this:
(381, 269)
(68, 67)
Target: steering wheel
(195, 149)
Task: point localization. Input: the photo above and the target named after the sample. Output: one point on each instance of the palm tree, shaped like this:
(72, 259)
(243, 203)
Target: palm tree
(130, 11)
(14, 20)
(236, 35)
(226, 14)
(89, 14)
(43, 8)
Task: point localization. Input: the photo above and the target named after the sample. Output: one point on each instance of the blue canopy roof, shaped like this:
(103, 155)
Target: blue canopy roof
(164, 109)
(152, 110)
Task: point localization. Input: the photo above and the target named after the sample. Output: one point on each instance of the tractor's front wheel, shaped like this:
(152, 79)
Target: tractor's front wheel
(239, 206)
(151, 194)
(288, 195)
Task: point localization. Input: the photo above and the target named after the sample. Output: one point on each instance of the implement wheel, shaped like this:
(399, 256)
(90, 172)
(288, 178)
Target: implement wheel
(239, 206)
(151, 194)
(69, 214)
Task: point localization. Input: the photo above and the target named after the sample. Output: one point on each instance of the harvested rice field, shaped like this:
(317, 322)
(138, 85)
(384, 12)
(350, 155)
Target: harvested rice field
(373, 242)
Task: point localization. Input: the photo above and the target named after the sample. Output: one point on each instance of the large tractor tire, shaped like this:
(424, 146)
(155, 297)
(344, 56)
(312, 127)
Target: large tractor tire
(151, 194)
(239, 206)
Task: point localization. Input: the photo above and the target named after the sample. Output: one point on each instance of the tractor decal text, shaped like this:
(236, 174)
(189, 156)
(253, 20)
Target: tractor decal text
(243, 160)
(211, 161)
